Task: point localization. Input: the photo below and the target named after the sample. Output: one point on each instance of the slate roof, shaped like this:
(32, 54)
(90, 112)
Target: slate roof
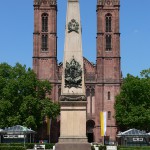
(133, 132)
(18, 129)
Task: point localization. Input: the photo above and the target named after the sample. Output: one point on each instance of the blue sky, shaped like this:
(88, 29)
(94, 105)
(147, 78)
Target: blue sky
(16, 32)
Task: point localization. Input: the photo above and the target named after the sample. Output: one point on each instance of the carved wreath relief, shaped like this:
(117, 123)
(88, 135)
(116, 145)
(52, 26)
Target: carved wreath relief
(73, 26)
(73, 74)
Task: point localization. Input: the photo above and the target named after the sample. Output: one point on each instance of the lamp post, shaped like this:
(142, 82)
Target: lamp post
(49, 129)
(24, 139)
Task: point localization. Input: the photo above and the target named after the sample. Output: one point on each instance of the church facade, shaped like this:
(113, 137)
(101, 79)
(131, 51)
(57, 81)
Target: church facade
(102, 80)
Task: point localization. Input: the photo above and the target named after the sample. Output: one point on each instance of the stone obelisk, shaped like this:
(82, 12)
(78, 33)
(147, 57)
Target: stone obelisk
(73, 101)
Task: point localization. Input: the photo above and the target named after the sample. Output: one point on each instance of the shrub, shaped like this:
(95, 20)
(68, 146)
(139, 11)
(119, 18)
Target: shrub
(134, 148)
(12, 148)
(49, 145)
(27, 145)
(92, 148)
(100, 147)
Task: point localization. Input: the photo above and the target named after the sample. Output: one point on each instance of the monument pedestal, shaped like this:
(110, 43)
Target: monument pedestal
(73, 126)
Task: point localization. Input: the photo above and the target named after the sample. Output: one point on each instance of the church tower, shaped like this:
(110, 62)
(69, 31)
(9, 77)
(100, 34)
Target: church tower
(45, 54)
(45, 39)
(108, 63)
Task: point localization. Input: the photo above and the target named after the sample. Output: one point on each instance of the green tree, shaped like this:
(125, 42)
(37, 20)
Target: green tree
(23, 98)
(133, 103)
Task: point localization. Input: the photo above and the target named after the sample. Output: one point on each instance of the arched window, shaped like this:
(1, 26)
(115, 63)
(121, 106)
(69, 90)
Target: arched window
(109, 115)
(108, 95)
(108, 42)
(44, 22)
(108, 22)
(44, 42)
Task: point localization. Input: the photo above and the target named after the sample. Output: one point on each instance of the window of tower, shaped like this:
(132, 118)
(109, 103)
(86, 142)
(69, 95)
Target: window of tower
(109, 115)
(44, 22)
(108, 95)
(108, 42)
(108, 18)
(44, 42)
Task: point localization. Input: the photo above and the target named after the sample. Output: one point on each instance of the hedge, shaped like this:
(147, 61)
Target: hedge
(124, 148)
(20, 146)
(27, 145)
(134, 148)
(12, 148)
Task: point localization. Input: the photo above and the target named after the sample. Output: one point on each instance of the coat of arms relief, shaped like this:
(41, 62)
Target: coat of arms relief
(73, 74)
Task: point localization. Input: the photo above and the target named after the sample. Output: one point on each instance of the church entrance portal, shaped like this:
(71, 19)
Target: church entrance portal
(89, 127)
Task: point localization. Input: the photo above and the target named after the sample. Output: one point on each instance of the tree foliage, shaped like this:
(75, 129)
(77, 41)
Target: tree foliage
(133, 103)
(23, 98)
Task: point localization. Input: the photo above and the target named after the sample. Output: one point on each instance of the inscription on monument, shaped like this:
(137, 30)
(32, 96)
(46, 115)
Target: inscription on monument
(73, 74)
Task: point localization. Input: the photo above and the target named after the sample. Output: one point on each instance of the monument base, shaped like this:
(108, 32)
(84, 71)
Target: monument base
(73, 146)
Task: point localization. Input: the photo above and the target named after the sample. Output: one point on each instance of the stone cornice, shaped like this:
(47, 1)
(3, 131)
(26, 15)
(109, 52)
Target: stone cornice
(50, 2)
(73, 98)
(41, 57)
(109, 57)
(73, 103)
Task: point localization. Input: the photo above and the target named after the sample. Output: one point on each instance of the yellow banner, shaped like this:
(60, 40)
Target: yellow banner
(103, 123)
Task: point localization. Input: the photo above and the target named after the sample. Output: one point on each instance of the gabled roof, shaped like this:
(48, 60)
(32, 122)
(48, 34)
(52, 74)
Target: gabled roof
(133, 132)
(18, 129)
(86, 60)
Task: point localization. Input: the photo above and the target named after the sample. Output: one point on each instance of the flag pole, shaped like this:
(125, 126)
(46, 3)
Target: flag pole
(50, 129)
(103, 140)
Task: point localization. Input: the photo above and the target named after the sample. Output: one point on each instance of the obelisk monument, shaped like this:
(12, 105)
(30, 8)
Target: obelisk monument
(73, 101)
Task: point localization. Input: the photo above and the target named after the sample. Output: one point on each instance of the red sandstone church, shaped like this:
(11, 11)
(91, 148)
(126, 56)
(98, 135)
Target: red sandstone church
(102, 79)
